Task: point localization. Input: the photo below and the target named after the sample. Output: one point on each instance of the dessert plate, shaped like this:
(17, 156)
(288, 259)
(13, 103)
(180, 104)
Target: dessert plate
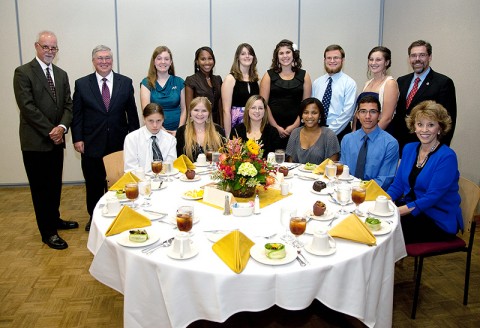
(327, 216)
(185, 179)
(186, 196)
(308, 248)
(303, 169)
(289, 176)
(258, 254)
(122, 239)
(324, 191)
(385, 228)
(175, 256)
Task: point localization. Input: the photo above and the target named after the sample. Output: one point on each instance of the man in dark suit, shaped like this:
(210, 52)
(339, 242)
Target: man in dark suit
(430, 86)
(43, 96)
(104, 112)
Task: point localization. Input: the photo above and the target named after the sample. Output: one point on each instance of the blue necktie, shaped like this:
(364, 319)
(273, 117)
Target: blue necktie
(327, 96)
(361, 160)
(157, 154)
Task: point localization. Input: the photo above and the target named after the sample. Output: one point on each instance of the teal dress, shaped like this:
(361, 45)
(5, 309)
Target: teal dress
(169, 98)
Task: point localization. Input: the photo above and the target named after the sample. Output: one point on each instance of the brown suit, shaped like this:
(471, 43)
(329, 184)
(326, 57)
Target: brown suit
(43, 160)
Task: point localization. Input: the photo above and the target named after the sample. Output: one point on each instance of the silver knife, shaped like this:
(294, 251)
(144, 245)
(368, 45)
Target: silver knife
(155, 212)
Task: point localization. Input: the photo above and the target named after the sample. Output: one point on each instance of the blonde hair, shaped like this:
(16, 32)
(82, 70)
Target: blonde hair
(212, 138)
(246, 113)
(433, 111)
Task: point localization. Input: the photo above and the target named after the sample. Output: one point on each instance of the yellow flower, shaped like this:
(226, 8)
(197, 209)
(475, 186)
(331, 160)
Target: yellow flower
(253, 147)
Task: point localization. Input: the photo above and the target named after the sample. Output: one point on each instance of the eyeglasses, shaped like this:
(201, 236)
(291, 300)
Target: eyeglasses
(333, 58)
(100, 59)
(257, 109)
(368, 111)
(47, 48)
(421, 56)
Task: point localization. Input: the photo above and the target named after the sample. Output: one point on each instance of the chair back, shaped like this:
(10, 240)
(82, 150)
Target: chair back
(114, 167)
(470, 195)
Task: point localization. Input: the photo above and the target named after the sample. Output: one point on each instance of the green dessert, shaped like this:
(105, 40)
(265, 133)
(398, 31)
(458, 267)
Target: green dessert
(310, 166)
(373, 223)
(138, 236)
(275, 250)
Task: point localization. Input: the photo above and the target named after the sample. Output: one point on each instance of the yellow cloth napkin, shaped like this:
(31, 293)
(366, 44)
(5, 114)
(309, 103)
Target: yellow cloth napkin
(352, 228)
(374, 190)
(234, 250)
(127, 219)
(183, 163)
(126, 178)
(320, 169)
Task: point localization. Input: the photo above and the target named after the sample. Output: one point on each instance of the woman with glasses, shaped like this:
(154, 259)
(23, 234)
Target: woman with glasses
(239, 85)
(162, 87)
(313, 142)
(255, 125)
(381, 85)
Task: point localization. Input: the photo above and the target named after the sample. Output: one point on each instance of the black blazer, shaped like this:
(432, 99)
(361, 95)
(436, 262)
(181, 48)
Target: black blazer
(437, 87)
(103, 132)
(39, 113)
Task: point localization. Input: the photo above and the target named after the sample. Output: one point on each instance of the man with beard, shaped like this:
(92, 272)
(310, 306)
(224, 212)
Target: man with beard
(430, 85)
(336, 90)
(370, 152)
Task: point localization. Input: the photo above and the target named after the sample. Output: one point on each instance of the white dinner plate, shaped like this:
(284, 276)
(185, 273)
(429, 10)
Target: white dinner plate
(386, 214)
(303, 169)
(175, 256)
(327, 216)
(185, 179)
(201, 165)
(258, 254)
(122, 239)
(384, 229)
(308, 248)
(324, 191)
(174, 171)
(349, 178)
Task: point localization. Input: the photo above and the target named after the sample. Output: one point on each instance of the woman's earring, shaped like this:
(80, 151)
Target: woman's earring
(302, 121)
(319, 121)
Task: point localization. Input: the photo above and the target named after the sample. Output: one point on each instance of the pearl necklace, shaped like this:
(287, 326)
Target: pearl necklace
(420, 165)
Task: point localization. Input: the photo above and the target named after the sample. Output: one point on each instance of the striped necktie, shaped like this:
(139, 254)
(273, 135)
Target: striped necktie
(157, 154)
(51, 85)
(412, 92)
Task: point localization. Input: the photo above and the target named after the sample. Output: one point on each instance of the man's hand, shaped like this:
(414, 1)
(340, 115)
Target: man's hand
(79, 146)
(57, 135)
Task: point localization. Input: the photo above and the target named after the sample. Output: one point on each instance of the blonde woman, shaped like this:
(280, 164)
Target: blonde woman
(162, 87)
(200, 132)
(239, 85)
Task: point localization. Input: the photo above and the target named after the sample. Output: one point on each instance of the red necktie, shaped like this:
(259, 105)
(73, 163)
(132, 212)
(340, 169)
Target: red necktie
(105, 93)
(413, 92)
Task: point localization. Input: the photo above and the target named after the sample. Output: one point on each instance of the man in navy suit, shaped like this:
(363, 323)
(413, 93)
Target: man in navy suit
(431, 86)
(104, 112)
(43, 96)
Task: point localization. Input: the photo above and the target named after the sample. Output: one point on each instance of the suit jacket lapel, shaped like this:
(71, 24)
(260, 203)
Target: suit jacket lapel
(117, 84)
(37, 69)
(425, 85)
(96, 92)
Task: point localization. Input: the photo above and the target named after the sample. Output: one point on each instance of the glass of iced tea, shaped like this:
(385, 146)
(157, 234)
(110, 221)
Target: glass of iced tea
(157, 168)
(185, 218)
(131, 191)
(298, 225)
(358, 197)
(209, 154)
(339, 166)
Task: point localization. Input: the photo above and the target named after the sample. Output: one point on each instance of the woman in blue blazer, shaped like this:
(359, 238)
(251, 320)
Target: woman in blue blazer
(426, 184)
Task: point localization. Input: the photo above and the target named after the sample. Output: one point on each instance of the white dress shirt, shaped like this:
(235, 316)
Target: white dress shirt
(342, 105)
(109, 82)
(138, 149)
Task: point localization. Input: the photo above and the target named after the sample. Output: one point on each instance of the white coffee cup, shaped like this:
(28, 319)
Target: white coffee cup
(381, 205)
(284, 188)
(140, 173)
(181, 244)
(112, 206)
(322, 241)
(346, 172)
(271, 158)
(202, 159)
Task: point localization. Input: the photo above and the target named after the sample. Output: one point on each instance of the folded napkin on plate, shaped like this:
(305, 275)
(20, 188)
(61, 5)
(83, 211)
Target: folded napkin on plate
(126, 178)
(127, 219)
(320, 169)
(352, 228)
(374, 190)
(183, 163)
(234, 250)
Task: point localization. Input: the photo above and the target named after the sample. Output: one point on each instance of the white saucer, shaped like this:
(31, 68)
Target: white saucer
(110, 215)
(185, 179)
(349, 178)
(331, 251)
(385, 228)
(324, 191)
(258, 254)
(289, 176)
(174, 171)
(389, 213)
(201, 165)
(122, 239)
(327, 216)
(175, 256)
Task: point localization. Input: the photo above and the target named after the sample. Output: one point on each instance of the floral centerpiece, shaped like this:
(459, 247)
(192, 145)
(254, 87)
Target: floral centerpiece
(241, 167)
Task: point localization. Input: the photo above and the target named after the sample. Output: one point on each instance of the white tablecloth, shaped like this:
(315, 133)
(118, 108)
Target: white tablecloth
(160, 291)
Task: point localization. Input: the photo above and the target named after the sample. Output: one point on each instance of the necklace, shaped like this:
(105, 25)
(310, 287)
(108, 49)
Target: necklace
(420, 164)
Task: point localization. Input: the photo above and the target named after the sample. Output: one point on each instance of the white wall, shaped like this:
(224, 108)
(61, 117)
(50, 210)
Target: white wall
(185, 25)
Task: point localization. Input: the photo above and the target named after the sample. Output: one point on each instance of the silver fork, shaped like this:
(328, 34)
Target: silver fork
(165, 243)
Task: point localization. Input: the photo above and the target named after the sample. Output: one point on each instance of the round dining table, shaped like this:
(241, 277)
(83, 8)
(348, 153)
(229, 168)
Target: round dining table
(162, 291)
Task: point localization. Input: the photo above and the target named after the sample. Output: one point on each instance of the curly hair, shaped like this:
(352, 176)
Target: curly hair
(297, 62)
(433, 111)
(152, 70)
(252, 71)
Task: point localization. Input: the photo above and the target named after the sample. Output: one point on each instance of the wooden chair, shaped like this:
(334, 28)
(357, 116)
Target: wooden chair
(114, 167)
(470, 194)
